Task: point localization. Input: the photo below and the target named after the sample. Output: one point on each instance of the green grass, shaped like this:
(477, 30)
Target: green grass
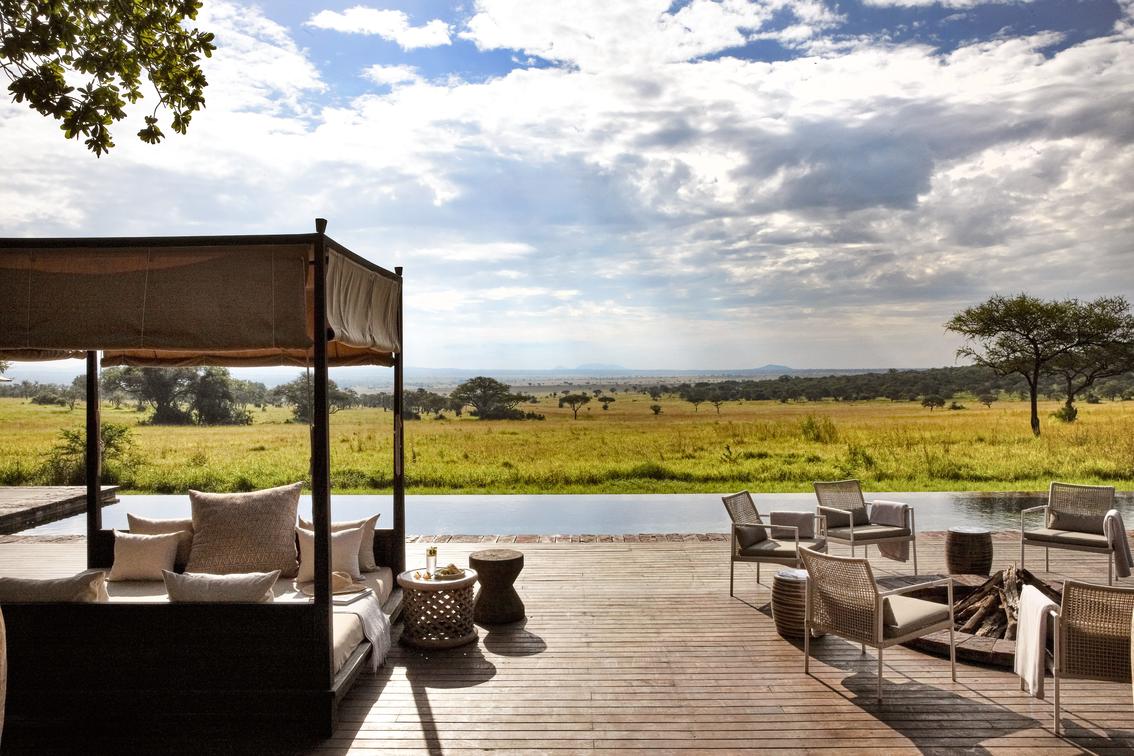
(762, 446)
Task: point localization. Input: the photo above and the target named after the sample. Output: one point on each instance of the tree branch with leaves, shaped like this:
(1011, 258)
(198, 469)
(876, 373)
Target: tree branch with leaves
(112, 45)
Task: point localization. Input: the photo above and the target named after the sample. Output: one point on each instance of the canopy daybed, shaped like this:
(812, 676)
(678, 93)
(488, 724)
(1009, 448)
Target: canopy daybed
(297, 299)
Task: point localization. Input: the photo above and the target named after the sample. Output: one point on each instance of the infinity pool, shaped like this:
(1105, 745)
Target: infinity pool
(596, 513)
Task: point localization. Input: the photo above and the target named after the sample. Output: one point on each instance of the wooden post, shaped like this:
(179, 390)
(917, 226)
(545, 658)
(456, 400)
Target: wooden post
(320, 452)
(398, 548)
(93, 460)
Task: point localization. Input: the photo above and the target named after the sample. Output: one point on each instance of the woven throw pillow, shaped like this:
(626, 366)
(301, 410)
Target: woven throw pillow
(859, 515)
(146, 526)
(750, 535)
(244, 532)
(366, 549)
(240, 588)
(85, 588)
(143, 557)
(344, 553)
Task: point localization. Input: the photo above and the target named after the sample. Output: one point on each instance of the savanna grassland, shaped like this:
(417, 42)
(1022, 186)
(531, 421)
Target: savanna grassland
(763, 446)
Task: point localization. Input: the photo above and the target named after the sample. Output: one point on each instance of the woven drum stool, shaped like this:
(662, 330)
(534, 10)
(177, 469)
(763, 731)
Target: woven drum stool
(789, 602)
(497, 601)
(968, 550)
(437, 613)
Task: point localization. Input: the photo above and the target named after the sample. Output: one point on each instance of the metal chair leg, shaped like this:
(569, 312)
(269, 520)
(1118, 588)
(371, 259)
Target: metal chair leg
(879, 675)
(1056, 697)
(757, 573)
(1046, 559)
(731, 572)
(915, 556)
(1110, 569)
(953, 656)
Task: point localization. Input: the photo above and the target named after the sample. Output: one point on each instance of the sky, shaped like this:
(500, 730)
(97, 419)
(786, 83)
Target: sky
(650, 184)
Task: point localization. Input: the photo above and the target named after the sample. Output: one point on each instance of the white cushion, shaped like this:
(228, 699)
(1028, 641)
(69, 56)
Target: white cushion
(236, 588)
(85, 588)
(244, 532)
(344, 553)
(366, 549)
(146, 526)
(143, 557)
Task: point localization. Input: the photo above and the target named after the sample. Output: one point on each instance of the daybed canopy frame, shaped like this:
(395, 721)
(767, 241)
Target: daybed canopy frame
(346, 305)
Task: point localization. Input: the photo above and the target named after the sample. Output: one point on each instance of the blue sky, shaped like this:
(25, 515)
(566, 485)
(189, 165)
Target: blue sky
(689, 185)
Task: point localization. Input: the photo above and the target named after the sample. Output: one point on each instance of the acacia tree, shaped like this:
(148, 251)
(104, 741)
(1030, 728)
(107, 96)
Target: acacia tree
(489, 398)
(111, 45)
(299, 394)
(606, 400)
(164, 389)
(575, 402)
(1028, 336)
(1079, 370)
(933, 401)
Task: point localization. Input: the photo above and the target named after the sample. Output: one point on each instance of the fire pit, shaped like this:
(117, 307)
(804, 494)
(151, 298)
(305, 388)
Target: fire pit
(985, 612)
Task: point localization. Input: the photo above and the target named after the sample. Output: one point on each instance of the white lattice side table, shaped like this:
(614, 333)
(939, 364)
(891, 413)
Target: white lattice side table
(437, 613)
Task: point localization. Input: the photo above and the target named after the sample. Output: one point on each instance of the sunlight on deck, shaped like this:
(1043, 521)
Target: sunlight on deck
(638, 646)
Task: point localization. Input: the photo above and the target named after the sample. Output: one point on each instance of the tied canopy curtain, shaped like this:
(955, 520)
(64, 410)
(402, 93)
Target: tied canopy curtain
(199, 304)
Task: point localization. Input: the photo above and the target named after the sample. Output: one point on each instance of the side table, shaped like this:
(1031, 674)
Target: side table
(497, 602)
(968, 550)
(437, 613)
(789, 602)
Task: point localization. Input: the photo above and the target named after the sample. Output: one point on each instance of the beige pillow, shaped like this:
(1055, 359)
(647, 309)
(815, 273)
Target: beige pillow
(142, 557)
(344, 553)
(237, 588)
(85, 588)
(146, 526)
(366, 549)
(244, 532)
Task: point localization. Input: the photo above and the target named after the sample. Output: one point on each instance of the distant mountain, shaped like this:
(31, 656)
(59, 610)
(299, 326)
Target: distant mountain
(599, 366)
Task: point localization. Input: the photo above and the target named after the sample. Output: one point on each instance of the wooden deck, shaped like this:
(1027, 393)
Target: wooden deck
(638, 647)
(23, 507)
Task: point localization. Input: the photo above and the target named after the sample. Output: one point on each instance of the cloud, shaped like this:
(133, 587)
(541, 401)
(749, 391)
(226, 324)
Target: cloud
(391, 25)
(942, 3)
(391, 75)
(681, 205)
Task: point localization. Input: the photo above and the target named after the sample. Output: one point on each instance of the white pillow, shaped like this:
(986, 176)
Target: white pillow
(87, 587)
(344, 553)
(234, 588)
(366, 549)
(143, 557)
(146, 526)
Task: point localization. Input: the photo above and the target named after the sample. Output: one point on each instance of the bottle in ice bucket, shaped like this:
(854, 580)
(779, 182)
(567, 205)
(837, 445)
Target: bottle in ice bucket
(430, 559)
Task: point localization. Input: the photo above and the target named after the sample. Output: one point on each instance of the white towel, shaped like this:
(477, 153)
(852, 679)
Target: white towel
(1031, 639)
(1116, 537)
(375, 626)
(892, 513)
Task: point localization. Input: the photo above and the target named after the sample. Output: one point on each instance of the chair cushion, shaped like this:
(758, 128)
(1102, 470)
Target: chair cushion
(1079, 523)
(868, 532)
(1072, 537)
(903, 614)
(749, 535)
(782, 549)
(245, 532)
(859, 515)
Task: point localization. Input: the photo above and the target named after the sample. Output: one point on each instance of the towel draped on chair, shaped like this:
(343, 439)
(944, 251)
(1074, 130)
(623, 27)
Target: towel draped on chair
(892, 513)
(1115, 532)
(1031, 639)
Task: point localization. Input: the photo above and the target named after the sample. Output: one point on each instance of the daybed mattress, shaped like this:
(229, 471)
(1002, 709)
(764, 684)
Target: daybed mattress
(381, 582)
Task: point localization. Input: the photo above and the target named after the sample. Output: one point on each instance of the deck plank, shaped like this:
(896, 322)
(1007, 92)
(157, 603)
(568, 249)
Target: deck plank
(637, 647)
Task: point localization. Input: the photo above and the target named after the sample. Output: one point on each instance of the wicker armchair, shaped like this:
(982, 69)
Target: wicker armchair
(1073, 520)
(751, 541)
(1092, 635)
(848, 519)
(844, 600)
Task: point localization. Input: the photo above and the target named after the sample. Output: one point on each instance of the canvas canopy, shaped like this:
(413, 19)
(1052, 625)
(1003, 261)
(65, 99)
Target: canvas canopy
(230, 301)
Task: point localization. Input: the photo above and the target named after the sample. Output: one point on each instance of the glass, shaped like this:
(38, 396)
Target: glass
(430, 559)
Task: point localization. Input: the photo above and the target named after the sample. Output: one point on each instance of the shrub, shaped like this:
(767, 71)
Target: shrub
(820, 429)
(1066, 414)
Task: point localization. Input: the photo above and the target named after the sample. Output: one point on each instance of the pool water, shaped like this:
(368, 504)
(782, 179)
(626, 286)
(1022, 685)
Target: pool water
(596, 513)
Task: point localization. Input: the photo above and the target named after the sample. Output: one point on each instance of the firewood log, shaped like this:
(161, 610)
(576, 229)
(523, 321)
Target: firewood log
(987, 605)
